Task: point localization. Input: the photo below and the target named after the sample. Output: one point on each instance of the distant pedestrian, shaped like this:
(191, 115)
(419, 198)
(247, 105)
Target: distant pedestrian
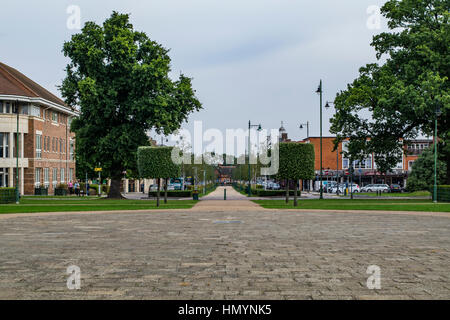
(70, 186)
(87, 188)
(77, 188)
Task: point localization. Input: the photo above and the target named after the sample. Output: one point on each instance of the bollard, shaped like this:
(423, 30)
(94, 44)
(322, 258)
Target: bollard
(224, 194)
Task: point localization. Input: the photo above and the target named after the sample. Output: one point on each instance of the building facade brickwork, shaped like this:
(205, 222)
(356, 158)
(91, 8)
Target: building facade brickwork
(46, 145)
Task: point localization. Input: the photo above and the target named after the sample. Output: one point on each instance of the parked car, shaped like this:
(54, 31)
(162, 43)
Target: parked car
(351, 188)
(154, 187)
(275, 186)
(329, 186)
(395, 188)
(376, 187)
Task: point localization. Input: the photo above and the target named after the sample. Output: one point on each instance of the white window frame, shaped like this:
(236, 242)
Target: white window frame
(37, 177)
(6, 148)
(38, 146)
(62, 175)
(46, 177)
(55, 177)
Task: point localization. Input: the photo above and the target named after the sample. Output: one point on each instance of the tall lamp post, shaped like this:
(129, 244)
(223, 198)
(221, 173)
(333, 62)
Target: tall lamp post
(250, 126)
(327, 106)
(438, 113)
(320, 92)
(301, 126)
(17, 153)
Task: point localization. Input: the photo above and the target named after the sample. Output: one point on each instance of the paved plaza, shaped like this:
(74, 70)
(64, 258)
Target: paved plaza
(225, 250)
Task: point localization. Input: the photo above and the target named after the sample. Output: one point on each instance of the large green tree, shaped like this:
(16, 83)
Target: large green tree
(394, 102)
(119, 79)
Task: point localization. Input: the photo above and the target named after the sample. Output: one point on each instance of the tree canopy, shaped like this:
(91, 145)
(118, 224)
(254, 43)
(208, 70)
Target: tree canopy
(392, 103)
(156, 162)
(296, 161)
(120, 80)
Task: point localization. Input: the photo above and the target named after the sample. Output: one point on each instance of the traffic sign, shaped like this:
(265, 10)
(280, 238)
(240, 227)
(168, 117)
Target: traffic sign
(98, 169)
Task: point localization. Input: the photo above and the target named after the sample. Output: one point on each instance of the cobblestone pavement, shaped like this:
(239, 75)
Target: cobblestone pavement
(215, 254)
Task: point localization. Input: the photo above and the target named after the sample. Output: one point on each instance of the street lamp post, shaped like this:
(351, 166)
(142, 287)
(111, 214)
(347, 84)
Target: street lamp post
(320, 92)
(250, 126)
(327, 106)
(17, 153)
(438, 113)
(301, 126)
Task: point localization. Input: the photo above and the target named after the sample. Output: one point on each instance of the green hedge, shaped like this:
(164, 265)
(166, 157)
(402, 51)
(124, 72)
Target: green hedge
(443, 193)
(173, 193)
(296, 161)
(41, 191)
(156, 162)
(7, 195)
(61, 192)
(274, 193)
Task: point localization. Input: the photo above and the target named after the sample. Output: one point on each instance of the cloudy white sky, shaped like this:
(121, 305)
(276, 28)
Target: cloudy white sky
(250, 59)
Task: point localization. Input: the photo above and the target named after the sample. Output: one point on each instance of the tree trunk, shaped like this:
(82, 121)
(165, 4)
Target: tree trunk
(287, 190)
(295, 192)
(157, 191)
(114, 190)
(166, 180)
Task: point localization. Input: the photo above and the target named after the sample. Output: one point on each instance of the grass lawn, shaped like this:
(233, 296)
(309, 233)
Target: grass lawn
(28, 205)
(402, 194)
(359, 204)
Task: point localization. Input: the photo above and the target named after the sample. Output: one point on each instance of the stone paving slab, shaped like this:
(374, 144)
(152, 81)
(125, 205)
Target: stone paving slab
(211, 254)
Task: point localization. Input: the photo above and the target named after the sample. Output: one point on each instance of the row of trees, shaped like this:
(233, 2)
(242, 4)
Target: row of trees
(406, 94)
(156, 163)
(295, 162)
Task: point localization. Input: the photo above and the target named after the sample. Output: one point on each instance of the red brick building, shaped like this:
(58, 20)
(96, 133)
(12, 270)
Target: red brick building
(45, 146)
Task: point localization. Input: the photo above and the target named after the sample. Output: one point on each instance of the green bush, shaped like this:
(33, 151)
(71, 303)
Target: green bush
(7, 195)
(174, 194)
(62, 186)
(422, 174)
(41, 191)
(443, 193)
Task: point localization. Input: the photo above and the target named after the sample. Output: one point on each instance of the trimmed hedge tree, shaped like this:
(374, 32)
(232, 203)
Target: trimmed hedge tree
(156, 163)
(296, 163)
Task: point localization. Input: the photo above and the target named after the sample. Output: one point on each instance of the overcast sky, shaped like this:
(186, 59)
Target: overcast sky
(250, 59)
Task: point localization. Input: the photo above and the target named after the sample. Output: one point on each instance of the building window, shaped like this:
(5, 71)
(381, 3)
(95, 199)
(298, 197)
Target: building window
(7, 107)
(55, 117)
(71, 150)
(38, 146)
(4, 177)
(60, 145)
(55, 177)
(410, 165)
(1, 106)
(48, 143)
(37, 177)
(71, 174)
(63, 174)
(35, 111)
(345, 163)
(46, 177)
(4, 145)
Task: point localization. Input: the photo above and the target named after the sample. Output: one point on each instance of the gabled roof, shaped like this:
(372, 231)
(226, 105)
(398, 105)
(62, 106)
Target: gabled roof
(12, 82)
